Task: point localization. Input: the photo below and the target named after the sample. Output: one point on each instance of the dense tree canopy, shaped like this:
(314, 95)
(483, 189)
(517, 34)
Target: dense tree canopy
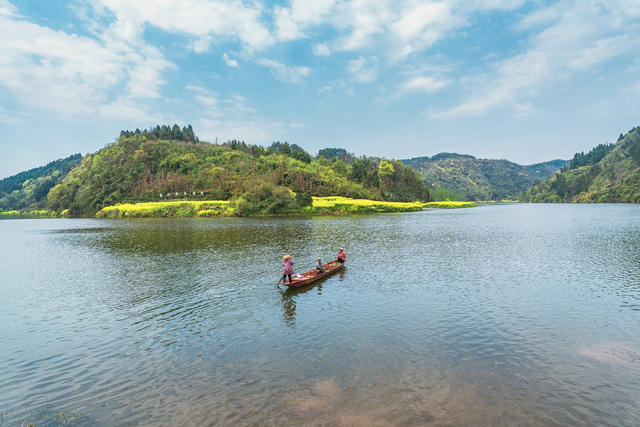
(165, 132)
(607, 173)
(28, 190)
(592, 157)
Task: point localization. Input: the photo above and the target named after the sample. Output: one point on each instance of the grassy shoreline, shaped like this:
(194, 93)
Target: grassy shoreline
(331, 205)
(41, 213)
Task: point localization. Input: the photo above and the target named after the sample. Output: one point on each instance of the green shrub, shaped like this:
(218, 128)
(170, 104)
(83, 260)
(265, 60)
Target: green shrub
(265, 199)
(304, 199)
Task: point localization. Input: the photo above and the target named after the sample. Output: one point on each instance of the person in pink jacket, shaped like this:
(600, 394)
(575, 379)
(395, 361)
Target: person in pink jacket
(287, 269)
(342, 257)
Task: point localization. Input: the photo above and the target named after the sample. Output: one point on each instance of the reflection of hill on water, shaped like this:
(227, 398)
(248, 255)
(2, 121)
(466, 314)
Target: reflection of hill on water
(177, 236)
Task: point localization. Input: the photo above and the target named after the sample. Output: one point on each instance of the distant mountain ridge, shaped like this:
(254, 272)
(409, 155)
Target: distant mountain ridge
(607, 173)
(481, 179)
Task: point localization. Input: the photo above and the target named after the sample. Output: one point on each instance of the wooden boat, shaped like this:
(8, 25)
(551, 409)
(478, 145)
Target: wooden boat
(312, 275)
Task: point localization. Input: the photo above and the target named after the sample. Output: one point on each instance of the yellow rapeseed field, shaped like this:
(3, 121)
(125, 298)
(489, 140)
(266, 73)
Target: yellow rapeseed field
(212, 208)
(339, 204)
(449, 205)
(174, 208)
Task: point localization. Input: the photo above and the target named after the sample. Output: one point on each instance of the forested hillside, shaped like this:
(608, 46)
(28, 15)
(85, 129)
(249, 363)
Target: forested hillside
(28, 189)
(470, 178)
(607, 173)
(142, 166)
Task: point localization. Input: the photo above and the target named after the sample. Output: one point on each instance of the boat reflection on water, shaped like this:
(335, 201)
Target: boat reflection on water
(289, 295)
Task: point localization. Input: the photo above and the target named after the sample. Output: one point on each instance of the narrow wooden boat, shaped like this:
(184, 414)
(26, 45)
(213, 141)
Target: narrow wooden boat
(312, 275)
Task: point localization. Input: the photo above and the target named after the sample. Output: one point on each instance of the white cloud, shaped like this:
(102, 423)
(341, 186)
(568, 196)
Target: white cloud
(230, 62)
(71, 74)
(284, 73)
(424, 83)
(7, 9)
(360, 22)
(291, 22)
(361, 72)
(391, 28)
(574, 36)
(601, 51)
(321, 49)
(201, 44)
(234, 118)
(203, 19)
(422, 24)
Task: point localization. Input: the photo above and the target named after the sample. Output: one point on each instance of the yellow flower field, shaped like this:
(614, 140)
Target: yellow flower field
(449, 205)
(341, 204)
(214, 208)
(175, 208)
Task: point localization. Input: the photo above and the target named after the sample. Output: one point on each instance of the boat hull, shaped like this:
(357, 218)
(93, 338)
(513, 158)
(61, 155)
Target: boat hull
(312, 276)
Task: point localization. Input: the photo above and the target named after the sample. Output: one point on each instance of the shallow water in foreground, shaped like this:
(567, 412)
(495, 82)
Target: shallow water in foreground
(502, 315)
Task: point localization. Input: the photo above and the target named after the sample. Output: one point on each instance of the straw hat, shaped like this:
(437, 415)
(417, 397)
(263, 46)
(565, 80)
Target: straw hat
(286, 257)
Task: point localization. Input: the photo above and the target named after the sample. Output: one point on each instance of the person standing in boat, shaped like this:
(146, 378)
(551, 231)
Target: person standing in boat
(287, 269)
(342, 257)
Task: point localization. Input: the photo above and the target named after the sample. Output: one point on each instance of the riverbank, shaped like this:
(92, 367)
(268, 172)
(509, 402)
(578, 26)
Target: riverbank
(331, 205)
(43, 213)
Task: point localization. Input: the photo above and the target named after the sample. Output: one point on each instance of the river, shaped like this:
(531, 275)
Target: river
(501, 314)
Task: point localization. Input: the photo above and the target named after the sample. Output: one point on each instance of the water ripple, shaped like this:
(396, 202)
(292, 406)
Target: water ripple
(500, 315)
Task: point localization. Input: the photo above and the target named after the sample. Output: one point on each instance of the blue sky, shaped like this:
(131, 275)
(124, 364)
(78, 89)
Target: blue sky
(523, 80)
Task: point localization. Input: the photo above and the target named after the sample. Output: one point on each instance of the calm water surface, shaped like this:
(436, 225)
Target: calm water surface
(503, 315)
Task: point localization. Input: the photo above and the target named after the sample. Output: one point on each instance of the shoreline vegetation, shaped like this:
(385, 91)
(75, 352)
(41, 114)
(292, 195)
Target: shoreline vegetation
(331, 205)
(42, 213)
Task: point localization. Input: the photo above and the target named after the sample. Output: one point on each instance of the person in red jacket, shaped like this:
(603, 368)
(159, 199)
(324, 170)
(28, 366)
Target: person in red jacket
(342, 257)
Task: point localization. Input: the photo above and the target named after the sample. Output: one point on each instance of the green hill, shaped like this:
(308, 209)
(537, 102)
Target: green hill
(28, 190)
(141, 166)
(607, 173)
(470, 178)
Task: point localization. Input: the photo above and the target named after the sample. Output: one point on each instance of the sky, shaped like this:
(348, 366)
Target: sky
(526, 81)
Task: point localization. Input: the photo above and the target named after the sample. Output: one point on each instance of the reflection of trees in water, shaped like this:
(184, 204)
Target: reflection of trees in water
(184, 235)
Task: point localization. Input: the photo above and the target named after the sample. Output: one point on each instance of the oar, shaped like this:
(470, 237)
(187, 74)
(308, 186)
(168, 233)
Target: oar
(278, 284)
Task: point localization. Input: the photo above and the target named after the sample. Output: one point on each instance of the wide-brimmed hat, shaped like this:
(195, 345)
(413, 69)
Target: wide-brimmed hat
(319, 259)
(342, 249)
(286, 257)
